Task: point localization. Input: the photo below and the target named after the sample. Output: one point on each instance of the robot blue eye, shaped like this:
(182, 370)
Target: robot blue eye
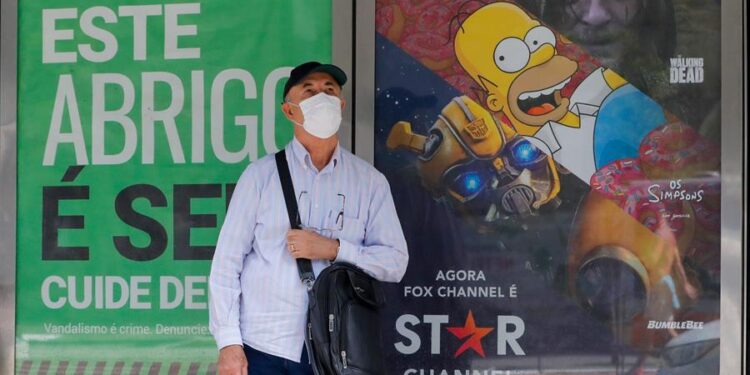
(469, 183)
(524, 153)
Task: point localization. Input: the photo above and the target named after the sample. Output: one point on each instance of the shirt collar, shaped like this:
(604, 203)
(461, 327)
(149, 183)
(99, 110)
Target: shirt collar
(304, 158)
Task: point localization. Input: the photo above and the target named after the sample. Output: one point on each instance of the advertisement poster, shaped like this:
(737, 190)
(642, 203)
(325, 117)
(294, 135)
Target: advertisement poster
(555, 166)
(135, 120)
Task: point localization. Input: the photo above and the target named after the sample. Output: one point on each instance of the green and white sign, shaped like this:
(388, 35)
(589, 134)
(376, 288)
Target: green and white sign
(135, 119)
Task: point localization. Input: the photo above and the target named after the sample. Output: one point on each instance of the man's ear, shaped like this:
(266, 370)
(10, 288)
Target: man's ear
(287, 109)
(343, 104)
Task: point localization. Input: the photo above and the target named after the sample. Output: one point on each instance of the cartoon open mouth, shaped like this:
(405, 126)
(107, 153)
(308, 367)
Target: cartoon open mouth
(537, 103)
(534, 97)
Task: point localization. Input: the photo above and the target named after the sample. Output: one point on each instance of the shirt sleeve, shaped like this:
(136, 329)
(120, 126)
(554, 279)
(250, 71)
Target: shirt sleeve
(383, 253)
(234, 243)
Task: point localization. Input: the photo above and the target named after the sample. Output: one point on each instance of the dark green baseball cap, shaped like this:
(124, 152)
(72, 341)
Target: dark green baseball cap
(303, 70)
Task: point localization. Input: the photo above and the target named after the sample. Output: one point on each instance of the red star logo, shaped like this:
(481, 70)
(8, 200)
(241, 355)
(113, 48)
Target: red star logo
(474, 333)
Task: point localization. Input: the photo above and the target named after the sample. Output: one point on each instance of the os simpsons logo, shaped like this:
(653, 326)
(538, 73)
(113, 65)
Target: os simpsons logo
(509, 329)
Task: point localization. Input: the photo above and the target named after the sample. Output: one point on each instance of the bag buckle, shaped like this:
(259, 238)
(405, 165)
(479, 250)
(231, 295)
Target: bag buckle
(308, 282)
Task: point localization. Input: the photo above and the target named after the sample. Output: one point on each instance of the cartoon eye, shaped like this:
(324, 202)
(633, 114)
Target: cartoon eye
(539, 36)
(511, 55)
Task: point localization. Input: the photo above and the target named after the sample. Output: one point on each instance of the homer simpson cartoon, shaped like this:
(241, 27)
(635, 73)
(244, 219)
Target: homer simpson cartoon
(514, 59)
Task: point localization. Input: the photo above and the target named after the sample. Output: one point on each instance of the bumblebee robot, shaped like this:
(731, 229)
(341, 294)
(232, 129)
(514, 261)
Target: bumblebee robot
(481, 168)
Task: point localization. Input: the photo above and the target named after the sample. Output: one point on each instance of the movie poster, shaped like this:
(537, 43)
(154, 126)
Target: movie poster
(135, 120)
(555, 166)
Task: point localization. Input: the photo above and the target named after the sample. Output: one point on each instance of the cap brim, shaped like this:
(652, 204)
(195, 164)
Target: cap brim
(338, 75)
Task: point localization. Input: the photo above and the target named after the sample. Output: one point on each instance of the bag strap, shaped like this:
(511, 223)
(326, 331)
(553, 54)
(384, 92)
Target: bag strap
(304, 266)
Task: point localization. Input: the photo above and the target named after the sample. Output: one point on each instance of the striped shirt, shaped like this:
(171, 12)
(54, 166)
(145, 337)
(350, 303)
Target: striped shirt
(256, 296)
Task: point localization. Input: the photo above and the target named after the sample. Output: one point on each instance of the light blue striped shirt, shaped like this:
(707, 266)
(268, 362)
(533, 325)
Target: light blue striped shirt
(256, 296)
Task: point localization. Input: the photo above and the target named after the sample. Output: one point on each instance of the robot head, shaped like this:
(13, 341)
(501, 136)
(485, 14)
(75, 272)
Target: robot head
(478, 167)
(514, 59)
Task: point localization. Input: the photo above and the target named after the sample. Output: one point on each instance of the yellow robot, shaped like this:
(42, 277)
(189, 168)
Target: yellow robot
(479, 167)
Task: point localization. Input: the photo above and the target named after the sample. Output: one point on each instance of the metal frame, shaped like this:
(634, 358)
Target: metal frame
(342, 52)
(734, 121)
(364, 33)
(8, 33)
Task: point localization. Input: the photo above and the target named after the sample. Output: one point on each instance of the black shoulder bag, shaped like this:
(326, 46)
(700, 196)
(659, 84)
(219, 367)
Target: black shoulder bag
(343, 324)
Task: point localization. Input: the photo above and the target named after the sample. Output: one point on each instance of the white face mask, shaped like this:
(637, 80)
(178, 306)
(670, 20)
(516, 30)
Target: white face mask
(322, 115)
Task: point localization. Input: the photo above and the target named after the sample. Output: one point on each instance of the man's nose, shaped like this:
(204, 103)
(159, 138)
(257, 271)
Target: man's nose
(596, 13)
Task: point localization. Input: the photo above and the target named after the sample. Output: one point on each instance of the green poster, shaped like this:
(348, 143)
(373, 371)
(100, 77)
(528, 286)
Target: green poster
(134, 121)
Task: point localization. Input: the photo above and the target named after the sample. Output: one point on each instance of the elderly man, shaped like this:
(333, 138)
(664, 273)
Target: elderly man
(258, 304)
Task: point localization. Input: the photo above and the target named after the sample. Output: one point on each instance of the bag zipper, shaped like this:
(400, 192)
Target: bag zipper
(342, 335)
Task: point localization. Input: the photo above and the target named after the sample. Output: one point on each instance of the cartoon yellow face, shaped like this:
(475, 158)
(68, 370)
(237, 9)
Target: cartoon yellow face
(513, 57)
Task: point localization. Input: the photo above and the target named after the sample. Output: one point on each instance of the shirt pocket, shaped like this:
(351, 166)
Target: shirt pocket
(353, 230)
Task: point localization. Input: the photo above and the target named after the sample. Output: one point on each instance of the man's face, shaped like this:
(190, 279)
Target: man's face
(313, 84)
(604, 28)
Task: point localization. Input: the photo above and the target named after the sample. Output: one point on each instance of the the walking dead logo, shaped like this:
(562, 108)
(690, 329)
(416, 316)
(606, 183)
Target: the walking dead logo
(686, 70)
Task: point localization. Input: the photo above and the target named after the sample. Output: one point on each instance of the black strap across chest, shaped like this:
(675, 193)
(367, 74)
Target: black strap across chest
(304, 266)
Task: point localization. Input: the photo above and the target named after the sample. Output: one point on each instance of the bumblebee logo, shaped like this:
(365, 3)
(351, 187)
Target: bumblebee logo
(477, 130)
(509, 330)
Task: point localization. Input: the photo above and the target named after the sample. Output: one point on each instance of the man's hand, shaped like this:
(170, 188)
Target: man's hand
(232, 360)
(307, 244)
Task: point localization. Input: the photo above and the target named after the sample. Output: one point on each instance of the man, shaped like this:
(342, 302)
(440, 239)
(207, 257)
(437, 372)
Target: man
(258, 304)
